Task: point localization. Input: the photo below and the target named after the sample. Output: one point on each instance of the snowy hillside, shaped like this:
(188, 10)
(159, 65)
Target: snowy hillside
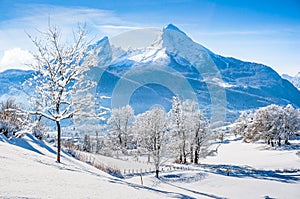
(295, 80)
(28, 170)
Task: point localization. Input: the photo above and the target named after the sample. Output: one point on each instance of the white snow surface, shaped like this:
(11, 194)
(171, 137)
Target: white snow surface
(150, 55)
(28, 170)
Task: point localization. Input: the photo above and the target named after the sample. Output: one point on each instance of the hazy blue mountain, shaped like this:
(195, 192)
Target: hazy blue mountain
(11, 84)
(175, 65)
(246, 85)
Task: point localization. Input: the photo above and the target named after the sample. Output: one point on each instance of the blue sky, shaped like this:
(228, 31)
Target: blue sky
(263, 31)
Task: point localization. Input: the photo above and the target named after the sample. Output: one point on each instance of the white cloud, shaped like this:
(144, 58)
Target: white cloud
(33, 17)
(16, 58)
(240, 32)
(36, 16)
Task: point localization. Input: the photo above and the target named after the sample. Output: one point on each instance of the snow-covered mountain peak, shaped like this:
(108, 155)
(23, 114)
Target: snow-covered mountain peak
(100, 52)
(171, 41)
(99, 43)
(177, 43)
(150, 55)
(173, 28)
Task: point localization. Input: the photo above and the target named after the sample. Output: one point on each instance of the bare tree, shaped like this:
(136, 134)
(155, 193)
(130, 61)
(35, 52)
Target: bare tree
(119, 123)
(152, 127)
(177, 128)
(12, 118)
(10, 111)
(196, 130)
(61, 86)
(189, 129)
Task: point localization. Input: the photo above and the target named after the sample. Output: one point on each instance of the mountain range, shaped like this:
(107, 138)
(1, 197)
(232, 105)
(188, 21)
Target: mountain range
(295, 80)
(173, 64)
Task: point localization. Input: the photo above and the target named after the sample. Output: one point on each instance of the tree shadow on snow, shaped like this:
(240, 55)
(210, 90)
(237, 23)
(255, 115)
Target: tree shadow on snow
(193, 191)
(249, 172)
(168, 193)
(289, 147)
(24, 142)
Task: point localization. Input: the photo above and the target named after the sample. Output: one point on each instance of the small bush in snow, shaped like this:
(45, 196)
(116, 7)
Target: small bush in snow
(37, 133)
(8, 129)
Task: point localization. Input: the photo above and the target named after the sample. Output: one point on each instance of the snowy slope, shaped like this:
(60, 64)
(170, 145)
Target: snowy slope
(28, 170)
(255, 172)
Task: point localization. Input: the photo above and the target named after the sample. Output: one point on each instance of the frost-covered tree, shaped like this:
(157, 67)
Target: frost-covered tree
(61, 88)
(270, 123)
(98, 144)
(119, 127)
(11, 112)
(176, 124)
(241, 123)
(197, 129)
(189, 129)
(247, 127)
(291, 122)
(15, 120)
(87, 143)
(152, 130)
(12, 118)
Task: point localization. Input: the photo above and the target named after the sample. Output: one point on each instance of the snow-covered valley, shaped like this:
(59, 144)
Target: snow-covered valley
(28, 170)
(102, 99)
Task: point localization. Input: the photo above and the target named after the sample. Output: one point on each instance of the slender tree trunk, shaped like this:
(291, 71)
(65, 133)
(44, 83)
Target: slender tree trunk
(156, 173)
(192, 155)
(196, 155)
(279, 141)
(58, 140)
(272, 143)
(184, 149)
(286, 138)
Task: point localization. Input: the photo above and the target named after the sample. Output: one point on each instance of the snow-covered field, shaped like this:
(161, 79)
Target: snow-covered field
(28, 170)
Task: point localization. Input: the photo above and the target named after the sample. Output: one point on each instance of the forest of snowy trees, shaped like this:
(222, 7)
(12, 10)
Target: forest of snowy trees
(184, 129)
(183, 133)
(272, 124)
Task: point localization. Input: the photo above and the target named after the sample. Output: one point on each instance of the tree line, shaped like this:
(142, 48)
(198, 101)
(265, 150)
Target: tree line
(182, 133)
(274, 124)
